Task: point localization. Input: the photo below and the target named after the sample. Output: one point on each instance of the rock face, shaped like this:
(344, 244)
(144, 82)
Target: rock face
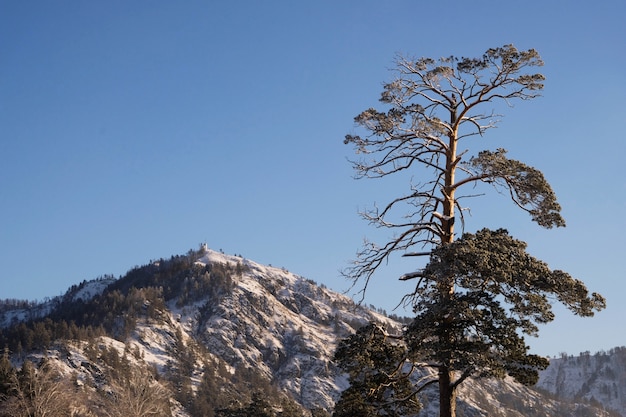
(598, 378)
(209, 319)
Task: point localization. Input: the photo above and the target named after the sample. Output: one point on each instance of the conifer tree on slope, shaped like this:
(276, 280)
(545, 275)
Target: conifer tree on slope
(478, 291)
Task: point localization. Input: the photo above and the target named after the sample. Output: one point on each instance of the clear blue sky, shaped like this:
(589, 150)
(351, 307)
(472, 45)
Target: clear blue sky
(131, 131)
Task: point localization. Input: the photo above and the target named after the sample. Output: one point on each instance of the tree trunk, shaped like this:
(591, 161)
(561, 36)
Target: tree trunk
(447, 393)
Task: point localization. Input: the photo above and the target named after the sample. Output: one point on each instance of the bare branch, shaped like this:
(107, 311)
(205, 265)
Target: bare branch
(417, 254)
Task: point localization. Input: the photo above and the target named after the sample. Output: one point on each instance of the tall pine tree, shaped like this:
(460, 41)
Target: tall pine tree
(463, 326)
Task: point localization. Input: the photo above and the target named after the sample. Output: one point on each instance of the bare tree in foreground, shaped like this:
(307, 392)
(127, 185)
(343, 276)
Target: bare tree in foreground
(478, 291)
(138, 394)
(37, 392)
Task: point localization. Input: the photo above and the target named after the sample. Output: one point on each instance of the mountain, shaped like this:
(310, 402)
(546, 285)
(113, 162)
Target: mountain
(598, 378)
(208, 334)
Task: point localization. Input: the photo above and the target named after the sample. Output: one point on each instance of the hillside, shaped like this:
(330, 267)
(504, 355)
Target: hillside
(212, 334)
(598, 378)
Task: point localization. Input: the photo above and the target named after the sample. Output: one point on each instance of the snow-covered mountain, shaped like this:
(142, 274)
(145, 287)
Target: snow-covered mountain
(11, 313)
(598, 378)
(281, 324)
(214, 329)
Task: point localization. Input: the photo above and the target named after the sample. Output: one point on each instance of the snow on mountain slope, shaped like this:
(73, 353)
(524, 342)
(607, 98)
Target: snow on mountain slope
(84, 291)
(285, 326)
(89, 289)
(598, 378)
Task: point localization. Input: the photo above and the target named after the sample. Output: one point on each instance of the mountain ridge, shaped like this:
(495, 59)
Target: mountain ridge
(209, 321)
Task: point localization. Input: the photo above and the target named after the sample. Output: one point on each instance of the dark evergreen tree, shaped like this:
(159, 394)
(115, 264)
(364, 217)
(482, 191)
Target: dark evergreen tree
(7, 375)
(259, 406)
(501, 293)
(378, 373)
(205, 400)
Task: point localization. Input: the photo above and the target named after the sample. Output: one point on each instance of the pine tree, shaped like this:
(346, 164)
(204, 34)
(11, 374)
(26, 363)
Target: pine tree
(379, 378)
(7, 376)
(432, 111)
